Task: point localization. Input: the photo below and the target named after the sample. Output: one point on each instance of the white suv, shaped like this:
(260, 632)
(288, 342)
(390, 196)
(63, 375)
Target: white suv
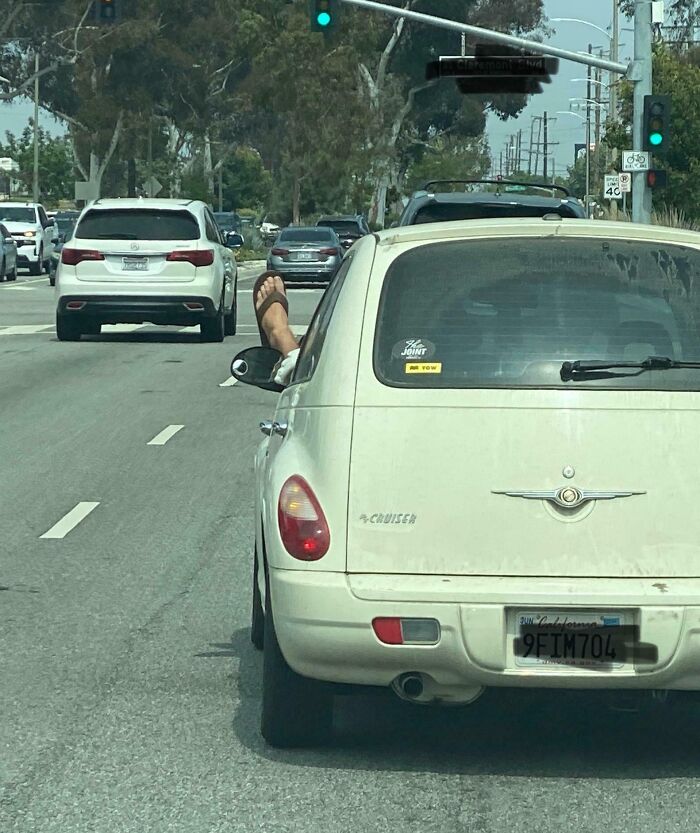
(33, 232)
(146, 260)
(484, 471)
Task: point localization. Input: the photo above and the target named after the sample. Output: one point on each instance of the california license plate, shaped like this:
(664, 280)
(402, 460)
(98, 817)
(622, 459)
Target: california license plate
(582, 639)
(134, 264)
(305, 256)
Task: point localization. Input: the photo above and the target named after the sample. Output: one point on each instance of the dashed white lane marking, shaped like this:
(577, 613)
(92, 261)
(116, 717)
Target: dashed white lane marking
(121, 328)
(229, 383)
(71, 520)
(165, 435)
(19, 288)
(24, 329)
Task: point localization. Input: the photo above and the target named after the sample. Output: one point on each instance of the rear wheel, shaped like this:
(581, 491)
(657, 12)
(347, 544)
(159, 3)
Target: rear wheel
(212, 329)
(296, 711)
(257, 620)
(3, 274)
(67, 329)
(12, 276)
(230, 320)
(35, 268)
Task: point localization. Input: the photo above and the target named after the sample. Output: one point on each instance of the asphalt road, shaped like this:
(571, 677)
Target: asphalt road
(129, 691)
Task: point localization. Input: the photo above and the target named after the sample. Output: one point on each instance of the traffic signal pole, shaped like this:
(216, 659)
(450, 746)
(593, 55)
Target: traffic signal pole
(641, 74)
(639, 71)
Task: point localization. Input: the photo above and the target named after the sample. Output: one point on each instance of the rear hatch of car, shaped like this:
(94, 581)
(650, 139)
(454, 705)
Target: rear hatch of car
(470, 454)
(144, 245)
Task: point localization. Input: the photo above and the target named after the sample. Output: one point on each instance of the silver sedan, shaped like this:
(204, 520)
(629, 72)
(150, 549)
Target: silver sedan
(8, 255)
(306, 255)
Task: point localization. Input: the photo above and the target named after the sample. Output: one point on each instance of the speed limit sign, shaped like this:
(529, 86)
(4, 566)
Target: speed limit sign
(611, 187)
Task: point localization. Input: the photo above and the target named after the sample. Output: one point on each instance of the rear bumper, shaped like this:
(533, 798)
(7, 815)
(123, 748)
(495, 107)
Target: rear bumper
(324, 630)
(138, 309)
(295, 272)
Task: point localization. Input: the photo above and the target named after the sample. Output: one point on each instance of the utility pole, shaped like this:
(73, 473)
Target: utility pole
(642, 72)
(518, 149)
(545, 149)
(539, 143)
(221, 188)
(529, 155)
(597, 185)
(613, 57)
(35, 178)
(588, 138)
(500, 164)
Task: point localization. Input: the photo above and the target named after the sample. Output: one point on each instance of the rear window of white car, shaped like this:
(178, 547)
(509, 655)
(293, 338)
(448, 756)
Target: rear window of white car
(138, 224)
(509, 312)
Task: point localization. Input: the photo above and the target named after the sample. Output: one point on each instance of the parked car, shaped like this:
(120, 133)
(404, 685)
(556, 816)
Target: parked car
(348, 227)
(488, 479)
(306, 254)
(33, 231)
(506, 199)
(160, 261)
(8, 255)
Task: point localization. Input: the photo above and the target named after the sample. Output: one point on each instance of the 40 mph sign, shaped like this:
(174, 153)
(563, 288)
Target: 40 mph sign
(611, 187)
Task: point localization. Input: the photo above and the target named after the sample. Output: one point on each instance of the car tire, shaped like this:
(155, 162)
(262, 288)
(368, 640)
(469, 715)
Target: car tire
(92, 328)
(212, 329)
(3, 275)
(296, 711)
(12, 275)
(67, 329)
(36, 268)
(257, 619)
(230, 320)
(52, 280)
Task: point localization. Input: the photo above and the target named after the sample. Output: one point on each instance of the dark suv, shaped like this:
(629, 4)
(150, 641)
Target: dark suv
(505, 199)
(348, 227)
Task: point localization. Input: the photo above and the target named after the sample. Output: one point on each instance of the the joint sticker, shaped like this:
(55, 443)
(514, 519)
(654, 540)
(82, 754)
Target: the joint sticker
(413, 348)
(423, 367)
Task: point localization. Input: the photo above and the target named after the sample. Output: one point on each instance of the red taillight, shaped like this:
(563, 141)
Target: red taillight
(72, 257)
(279, 252)
(328, 251)
(197, 257)
(303, 526)
(388, 630)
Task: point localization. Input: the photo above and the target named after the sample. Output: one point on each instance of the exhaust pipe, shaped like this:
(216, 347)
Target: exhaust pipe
(409, 686)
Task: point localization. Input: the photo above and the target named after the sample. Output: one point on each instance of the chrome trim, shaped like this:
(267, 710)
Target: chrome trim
(567, 497)
(266, 427)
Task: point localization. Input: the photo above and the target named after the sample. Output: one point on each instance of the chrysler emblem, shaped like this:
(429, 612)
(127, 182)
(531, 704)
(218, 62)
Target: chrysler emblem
(567, 497)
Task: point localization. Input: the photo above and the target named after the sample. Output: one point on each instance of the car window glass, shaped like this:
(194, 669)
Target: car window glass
(211, 228)
(508, 313)
(441, 212)
(17, 214)
(43, 219)
(316, 334)
(308, 235)
(138, 224)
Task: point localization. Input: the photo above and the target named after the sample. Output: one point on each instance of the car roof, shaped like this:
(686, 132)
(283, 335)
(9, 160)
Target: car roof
(490, 197)
(301, 228)
(20, 204)
(348, 217)
(534, 227)
(141, 202)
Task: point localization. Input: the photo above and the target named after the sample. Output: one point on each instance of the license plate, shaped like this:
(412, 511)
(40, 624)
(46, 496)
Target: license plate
(586, 639)
(134, 264)
(305, 256)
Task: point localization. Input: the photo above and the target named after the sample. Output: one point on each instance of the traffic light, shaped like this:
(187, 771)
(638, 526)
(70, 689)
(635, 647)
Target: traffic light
(107, 11)
(324, 15)
(657, 123)
(656, 179)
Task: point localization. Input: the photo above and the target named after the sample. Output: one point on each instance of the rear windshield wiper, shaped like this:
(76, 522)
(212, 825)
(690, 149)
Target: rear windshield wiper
(116, 236)
(580, 370)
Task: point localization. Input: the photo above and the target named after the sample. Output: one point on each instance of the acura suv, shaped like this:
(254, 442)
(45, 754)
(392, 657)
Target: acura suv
(141, 261)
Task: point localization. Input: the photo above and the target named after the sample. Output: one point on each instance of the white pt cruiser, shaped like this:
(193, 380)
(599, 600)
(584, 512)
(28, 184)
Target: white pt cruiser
(484, 471)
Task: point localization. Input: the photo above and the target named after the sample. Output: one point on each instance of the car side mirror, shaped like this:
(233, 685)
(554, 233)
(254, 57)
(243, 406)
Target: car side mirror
(255, 366)
(234, 240)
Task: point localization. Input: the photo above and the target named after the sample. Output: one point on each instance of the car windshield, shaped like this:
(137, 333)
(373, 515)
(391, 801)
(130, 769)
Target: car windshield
(448, 211)
(17, 214)
(225, 220)
(306, 235)
(138, 224)
(342, 226)
(509, 312)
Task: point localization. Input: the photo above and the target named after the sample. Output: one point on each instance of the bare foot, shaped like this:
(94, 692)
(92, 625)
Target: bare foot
(275, 322)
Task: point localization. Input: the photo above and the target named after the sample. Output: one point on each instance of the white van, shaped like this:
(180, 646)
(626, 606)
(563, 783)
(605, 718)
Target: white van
(484, 470)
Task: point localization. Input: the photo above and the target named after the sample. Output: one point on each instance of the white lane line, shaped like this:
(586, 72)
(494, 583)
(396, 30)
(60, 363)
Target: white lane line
(24, 329)
(229, 383)
(71, 520)
(18, 288)
(121, 328)
(165, 435)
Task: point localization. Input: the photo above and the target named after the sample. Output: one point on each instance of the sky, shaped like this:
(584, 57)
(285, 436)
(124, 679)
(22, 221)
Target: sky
(563, 129)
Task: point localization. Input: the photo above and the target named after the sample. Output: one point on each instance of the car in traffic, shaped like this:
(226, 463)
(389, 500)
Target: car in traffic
(33, 232)
(482, 199)
(483, 480)
(135, 261)
(65, 224)
(8, 255)
(227, 221)
(348, 227)
(306, 254)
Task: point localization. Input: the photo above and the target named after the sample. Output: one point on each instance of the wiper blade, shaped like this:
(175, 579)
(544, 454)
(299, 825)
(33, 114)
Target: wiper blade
(116, 236)
(575, 371)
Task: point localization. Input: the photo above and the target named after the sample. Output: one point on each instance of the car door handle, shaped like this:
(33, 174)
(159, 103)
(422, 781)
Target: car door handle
(266, 427)
(279, 428)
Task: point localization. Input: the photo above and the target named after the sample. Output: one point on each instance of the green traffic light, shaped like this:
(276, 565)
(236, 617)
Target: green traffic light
(323, 19)
(655, 139)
